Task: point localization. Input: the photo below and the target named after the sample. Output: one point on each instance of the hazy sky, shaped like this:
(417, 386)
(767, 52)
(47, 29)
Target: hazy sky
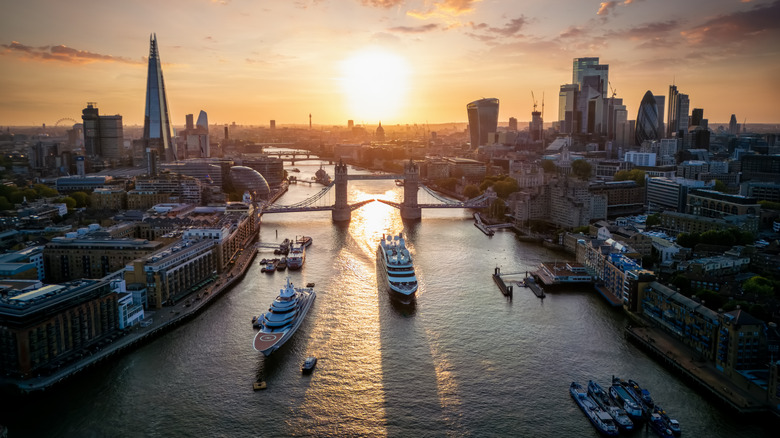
(413, 61)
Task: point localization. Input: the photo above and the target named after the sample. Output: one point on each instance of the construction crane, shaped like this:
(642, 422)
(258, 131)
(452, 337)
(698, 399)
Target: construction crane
(533, 99)
(614, 92)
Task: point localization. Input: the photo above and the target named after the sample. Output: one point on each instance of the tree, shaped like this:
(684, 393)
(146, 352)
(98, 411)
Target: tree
(81, 198)
(4, 204)
(711, 299)
(549, 166)
(505, 188)
(69, 202)
(635, 175)
(447, 183)
(471, 191)
(581, 169)
(653, 220)
(687, 240)
(720, 186)
(45, 191)
(758, 285)
(497, 209)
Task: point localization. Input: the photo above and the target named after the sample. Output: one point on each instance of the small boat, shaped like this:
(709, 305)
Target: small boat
(671, 423)
(601, 420)
(659, 426)
(297, 256)
(597, 393)
(308, 365)
(282, 265)
(310, 284)
(259, 385)
(642, 396)
(295, 169)
(624, 399)
(304, 240)
(270, 266)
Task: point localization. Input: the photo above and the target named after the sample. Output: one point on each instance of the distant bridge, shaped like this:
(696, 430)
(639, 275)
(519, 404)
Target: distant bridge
(410, 208)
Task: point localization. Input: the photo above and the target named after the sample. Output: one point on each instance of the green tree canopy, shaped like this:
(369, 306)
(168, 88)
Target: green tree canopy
(720, 186)
(634, 174)
(581, 169)
(45, 191)
(549, 166)
(471, 191)
(447, 183)
(81, 198)
(505, 188)
(758, 285)
(687, 240)
(653, 220)
(711, 299)
(5, 204)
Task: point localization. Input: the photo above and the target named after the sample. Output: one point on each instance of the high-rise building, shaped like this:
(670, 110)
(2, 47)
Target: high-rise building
(733, 125)
(536, 126)
(512, 124)
(677, 117)
(647, 121)
(483, 119)
(103, 135)
(157, 125)
(567, 112)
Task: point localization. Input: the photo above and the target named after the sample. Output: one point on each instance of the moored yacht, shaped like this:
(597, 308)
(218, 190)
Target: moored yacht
(297, 256)
(396, 266)
(600, 396)
(600, 419)
(283, 317)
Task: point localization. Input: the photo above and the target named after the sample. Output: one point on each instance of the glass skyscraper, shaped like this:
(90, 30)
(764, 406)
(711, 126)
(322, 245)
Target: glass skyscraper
(483, 119)
(647, 120)
(157, 125)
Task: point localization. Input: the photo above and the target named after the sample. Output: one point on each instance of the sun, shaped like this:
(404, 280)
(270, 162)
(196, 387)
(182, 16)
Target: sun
(375, 84)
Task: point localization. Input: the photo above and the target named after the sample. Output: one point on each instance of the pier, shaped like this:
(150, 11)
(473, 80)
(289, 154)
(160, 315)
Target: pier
(506, 290)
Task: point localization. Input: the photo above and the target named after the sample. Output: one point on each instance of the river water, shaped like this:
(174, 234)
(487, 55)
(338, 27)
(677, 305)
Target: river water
(460, 361)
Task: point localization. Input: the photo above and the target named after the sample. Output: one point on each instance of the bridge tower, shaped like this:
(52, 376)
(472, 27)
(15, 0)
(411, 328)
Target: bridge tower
(409, 207)
(341, 211)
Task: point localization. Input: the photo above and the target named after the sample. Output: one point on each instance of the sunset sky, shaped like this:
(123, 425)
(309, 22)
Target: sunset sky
(394, 61)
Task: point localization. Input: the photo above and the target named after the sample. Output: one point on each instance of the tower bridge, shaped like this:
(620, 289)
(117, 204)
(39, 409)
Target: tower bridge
(341, 210)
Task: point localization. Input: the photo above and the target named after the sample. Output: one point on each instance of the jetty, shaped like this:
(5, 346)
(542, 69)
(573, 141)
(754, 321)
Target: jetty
(506, 290)
(482, 226)
(536, 288)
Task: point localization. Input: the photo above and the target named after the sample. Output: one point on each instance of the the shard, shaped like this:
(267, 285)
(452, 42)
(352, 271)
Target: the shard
(157, 125)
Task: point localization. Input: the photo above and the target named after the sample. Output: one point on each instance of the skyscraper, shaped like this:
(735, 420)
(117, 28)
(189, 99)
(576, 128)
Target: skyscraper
(579, 102)
(103, 135)
(483, 119)
(157, 125)
(647, 121)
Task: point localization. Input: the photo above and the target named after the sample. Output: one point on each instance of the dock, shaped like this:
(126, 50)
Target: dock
(482, 226)
(537, 289)
(506, 290)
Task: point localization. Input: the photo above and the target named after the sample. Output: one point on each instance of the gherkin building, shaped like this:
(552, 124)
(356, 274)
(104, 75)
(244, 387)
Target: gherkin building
(647, 121)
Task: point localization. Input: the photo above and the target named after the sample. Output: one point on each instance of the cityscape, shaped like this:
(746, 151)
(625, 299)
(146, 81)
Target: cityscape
(133, 243)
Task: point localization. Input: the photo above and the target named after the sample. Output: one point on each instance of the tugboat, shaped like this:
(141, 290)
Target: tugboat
(282, 265)
(601, 420)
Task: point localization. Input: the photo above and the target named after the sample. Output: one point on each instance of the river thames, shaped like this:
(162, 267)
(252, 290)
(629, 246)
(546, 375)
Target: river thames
(460, 361)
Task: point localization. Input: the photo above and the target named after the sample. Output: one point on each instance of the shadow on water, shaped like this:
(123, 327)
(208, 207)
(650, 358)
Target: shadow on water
(409, 380)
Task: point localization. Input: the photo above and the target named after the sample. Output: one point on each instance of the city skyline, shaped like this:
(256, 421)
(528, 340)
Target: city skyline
(392, 61)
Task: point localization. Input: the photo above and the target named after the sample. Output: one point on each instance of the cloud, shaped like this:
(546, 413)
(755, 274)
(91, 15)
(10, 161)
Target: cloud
(415, 29)
(445, 8)
(382, 3)
(646, 31)
(573, 32)
(759, 23)
(61, 53)
(606, 7)
(489, 33)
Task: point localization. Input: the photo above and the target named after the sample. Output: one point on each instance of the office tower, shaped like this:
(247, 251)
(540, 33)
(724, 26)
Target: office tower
(677, 117)
(584, 67)
(483, 119)
(733, 125)
(512, 124)
(697, 117)
(202, 126)
(647, 122)
(90, 118)
(189, 125)
(536, 126)
(273, 124)
(567, 102)
(203, 120)
(103, 135)
(157, 126)
(660, 103)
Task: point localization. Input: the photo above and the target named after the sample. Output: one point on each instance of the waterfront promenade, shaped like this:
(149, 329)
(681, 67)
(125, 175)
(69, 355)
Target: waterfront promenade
(156, 322)
(702, 374)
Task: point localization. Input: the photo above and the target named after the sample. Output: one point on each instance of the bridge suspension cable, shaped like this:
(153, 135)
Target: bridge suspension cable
(306, 202)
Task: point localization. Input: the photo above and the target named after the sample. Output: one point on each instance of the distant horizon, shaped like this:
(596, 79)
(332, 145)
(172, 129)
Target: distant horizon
(394, 61)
